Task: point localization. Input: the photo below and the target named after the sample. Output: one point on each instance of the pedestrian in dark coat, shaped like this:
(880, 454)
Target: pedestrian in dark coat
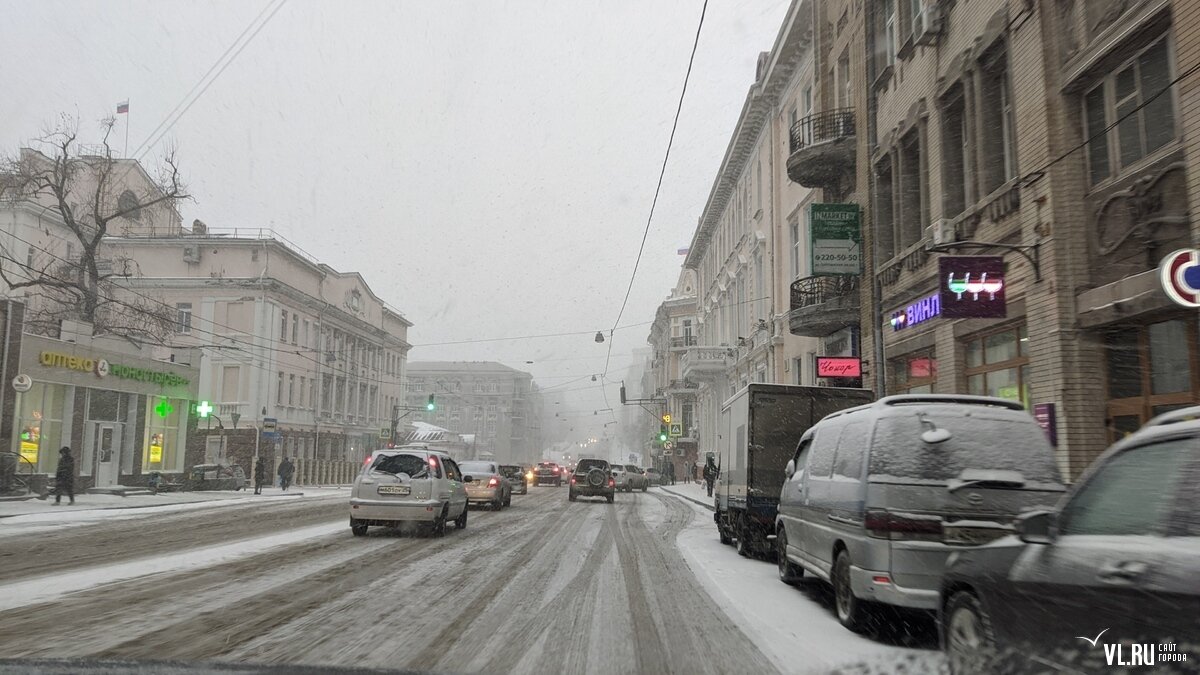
(260, 475)
(64, 477)
(286, 469)
(671, 472)
(710, 475)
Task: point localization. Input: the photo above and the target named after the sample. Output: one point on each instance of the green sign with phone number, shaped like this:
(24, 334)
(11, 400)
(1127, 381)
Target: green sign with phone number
(835, 239)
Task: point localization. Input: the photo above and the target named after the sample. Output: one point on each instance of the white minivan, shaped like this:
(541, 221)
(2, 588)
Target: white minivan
(409, 484)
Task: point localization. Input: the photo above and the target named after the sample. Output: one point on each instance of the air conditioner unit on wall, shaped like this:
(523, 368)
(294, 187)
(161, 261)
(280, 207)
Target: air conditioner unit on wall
(927, 24)
(191, 253)
(942, 231)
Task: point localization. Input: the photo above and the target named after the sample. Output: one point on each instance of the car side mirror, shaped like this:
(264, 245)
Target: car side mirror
(790, 470)
(467, 479)
(1036, 527)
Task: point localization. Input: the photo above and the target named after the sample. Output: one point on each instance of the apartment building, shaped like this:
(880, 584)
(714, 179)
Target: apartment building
(671, 335)
(498, 405)
(750, 247)
(285, 337)
(1050, 136)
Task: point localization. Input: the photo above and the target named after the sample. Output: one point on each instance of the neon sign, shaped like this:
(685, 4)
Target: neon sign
(918, 312)
(1179, 274)
(839, 366)
(972, 287)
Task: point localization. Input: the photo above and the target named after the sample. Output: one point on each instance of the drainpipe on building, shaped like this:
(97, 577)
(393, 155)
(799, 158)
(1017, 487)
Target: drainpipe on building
(876, 286)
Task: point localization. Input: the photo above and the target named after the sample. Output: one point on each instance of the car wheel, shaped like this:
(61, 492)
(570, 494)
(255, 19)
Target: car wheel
(852, 612)
(438, 528)
(498, 504)
(645, 487)
(571, 496)
(508, 500)
(724, 534)
(609, 497)
(460, 523)
(789, 572)
(358, 529)
(970, 642)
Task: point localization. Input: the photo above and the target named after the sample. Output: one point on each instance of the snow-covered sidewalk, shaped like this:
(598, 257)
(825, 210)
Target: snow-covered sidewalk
(34, 514)
(697, 494)
(792, 626)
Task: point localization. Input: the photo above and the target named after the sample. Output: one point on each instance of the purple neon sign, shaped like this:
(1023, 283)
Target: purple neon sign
(918, 312)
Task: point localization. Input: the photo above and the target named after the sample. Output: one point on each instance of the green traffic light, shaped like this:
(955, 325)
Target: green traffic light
(430, 404)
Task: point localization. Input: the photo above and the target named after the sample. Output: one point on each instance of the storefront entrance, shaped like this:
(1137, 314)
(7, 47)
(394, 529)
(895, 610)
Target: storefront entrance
(1152, 369)
(103, 443)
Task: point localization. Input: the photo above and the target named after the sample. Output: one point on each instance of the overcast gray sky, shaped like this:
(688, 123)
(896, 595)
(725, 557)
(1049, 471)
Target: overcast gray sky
(487, 166)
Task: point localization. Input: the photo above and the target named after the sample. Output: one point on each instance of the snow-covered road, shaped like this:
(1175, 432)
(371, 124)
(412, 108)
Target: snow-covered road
(547, 586)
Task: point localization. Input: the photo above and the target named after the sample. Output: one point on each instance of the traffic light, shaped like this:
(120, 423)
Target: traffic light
(662, 434)
(666, 418)
(430, 405)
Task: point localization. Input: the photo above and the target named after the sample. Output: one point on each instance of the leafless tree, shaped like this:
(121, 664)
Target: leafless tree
(90, 193)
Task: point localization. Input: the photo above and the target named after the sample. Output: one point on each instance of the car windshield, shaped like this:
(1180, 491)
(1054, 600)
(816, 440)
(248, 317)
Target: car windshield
(414, 466)
(478, 467)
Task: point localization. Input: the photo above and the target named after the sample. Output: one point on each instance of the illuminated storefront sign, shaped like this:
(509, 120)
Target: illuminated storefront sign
(839, 366)
(103, 368)
(972, 287)
(1179, 274)
(918, 312)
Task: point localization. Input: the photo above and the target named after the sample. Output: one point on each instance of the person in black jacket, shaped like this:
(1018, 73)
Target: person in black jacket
(260, 475)
(286, 469)
(710, 475)
(64, 477)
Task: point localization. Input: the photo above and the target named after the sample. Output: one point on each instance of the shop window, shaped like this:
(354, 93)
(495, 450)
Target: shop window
(39, 426)
(1151, 370)
(1131, 94)
(997, 364)
(913, 374)
(163, 449)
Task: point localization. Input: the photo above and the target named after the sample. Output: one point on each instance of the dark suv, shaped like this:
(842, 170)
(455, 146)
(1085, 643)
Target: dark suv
(593, 478)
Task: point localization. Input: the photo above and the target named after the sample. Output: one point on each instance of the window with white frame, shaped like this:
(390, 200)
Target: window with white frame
(1137, 91)
(183, 320)
(794, 226)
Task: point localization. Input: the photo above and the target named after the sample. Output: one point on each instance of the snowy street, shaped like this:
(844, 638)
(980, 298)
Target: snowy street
(547, 586)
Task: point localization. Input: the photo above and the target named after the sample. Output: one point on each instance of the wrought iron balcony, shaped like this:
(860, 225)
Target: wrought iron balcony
(703, 363)
(823, 305)
(822, 151)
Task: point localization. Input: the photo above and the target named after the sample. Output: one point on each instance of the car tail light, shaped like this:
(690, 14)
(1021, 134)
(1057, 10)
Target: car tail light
(572, 480)
(891, 525)
(367, 460)
(433, 462)
(493, 482)
(554, 470)
(612, 483)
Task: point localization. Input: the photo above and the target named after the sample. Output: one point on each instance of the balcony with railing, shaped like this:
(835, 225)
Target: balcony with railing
(703, 363)
(681, 341)
(823, 305)
(822, 149)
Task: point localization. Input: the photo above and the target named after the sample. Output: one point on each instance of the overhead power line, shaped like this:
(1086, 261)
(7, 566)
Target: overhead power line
(661, 174)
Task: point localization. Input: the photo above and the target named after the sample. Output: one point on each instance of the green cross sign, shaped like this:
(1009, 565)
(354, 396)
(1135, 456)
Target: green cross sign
(164, 408)
(204, 409)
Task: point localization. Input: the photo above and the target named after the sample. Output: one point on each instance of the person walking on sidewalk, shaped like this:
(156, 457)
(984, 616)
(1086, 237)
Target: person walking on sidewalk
(710, 475)
(286, 469)
(260, 475)
(695, 472)
(64, 477)
(671, 472)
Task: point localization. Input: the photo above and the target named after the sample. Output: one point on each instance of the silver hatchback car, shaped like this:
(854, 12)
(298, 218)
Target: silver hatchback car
(878, 496)
(409, 484)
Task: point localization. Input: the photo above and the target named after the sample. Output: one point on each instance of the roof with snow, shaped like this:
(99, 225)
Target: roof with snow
(495, 367)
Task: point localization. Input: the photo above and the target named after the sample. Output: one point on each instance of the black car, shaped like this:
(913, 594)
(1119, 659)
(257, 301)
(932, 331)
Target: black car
(549, 473)
(1109, 577)
(592, 478)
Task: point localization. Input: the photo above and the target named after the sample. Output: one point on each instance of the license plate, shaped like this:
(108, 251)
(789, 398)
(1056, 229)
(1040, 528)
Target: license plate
(972, 536)
(394, 489)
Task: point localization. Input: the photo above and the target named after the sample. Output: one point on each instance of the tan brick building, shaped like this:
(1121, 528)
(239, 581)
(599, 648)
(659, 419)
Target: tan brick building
(1035, 130)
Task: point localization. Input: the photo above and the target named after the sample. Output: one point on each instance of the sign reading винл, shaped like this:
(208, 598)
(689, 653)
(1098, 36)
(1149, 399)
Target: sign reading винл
(839, 366)
(835, 239)
(972, 287)
(918, 312)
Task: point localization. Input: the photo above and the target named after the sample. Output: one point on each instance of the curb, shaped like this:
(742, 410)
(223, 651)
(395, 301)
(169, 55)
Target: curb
(706, 505)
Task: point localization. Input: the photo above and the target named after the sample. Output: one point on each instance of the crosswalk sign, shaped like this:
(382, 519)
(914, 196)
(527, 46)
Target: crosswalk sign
(676, 430)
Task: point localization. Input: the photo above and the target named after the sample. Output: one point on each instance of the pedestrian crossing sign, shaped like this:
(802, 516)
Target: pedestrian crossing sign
(676, 430)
